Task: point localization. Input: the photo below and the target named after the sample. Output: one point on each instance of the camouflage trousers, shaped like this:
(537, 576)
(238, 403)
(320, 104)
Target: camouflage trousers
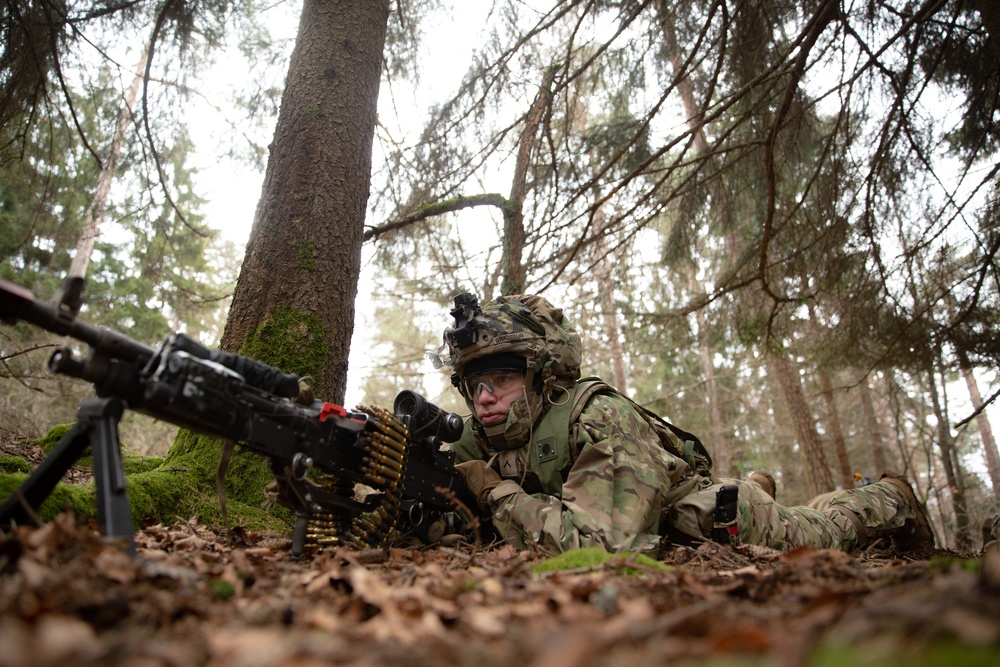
(831, 521)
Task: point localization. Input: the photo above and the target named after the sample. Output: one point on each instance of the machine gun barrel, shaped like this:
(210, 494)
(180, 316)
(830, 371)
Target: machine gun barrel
(59, 317)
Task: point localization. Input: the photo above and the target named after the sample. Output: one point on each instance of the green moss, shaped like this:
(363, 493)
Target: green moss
(10, 481)
(313, 111)
(136, 463)
(49, 441)
(307, 257)
(592, 557)
(14, 464)
(178, 487)
(947, 563)
(196, 458)
(290, 339)
(906, 653)
(220, 589)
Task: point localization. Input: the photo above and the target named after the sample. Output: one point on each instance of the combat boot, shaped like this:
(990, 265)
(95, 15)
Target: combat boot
(916, 534)
(765, 481)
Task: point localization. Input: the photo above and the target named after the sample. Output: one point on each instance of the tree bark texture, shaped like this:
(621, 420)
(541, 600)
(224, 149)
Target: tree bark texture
(873, 429)
(817, 471)
(833, 423)
(985, 431)
(304, 251)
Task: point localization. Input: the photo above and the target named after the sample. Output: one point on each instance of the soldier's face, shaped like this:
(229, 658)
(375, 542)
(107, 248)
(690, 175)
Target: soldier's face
(493, 393)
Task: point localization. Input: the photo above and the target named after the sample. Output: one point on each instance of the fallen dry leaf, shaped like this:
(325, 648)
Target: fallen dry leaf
(191, 600)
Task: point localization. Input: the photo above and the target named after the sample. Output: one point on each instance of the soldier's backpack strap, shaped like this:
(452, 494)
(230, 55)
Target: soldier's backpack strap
(674, 439)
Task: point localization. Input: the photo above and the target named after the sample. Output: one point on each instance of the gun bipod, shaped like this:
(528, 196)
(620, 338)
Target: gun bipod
(97, 428)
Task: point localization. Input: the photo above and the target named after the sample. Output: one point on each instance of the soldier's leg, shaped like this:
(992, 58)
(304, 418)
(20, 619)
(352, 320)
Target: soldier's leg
(848, 520)
(761, 520)
(765, 523)
(887, 508)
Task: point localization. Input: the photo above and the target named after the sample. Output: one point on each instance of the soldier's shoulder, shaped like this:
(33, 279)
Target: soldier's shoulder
(607, 406)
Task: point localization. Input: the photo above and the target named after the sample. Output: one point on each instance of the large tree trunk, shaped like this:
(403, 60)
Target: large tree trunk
(294, 302)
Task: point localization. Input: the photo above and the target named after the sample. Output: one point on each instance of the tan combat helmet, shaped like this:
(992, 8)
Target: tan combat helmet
(499, 335)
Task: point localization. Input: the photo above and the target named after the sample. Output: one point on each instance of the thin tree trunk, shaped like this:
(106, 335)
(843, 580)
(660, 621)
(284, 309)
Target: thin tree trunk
(817, 472)
(946, 447)
(983, 424)
(722, 446)
(871, 426)
(512, 258)
(833, 423)
(94, 213)
(606, 292)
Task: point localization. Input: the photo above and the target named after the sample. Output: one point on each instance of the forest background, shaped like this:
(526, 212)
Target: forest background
(774, 223)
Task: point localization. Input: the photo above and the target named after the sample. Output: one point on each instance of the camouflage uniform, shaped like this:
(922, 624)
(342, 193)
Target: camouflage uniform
(620, 488)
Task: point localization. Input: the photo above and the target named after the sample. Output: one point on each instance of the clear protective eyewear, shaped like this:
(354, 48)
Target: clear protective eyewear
(497, 383)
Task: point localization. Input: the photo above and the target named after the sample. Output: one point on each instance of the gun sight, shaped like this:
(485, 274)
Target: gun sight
(426, 420)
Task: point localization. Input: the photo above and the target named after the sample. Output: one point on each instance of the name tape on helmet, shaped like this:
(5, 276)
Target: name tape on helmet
(506, 338)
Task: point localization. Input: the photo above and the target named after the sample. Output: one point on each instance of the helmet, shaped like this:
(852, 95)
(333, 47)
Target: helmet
(522, 325)
(502, 334)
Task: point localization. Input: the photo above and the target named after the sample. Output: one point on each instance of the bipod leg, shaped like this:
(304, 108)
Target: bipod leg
(114, 514)
(96, 426)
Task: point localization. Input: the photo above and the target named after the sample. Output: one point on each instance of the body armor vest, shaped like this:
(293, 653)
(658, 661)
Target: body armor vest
(542, 465)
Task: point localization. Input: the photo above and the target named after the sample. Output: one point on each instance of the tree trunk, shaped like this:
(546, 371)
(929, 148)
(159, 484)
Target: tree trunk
(721, 445)
(94, 213)
(606, 291)
(871, 425)
(989, 11)
(294, 301)
(817, 472)
(946, 446)
(514, 275)
(983, 424)
(833, 423)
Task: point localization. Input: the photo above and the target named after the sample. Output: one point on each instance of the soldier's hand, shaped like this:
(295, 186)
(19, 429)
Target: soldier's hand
(480, 479)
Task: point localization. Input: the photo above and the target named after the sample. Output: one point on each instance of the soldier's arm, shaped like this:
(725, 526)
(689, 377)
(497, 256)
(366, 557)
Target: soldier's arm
(612, 496)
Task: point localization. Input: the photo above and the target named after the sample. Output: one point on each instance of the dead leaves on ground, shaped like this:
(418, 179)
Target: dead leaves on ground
(190, 598)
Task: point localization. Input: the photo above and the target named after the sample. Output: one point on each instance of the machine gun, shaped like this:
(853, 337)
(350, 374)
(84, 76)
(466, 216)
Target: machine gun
(320, 453)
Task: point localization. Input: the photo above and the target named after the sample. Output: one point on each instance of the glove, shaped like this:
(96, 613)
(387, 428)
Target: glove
(480, 479)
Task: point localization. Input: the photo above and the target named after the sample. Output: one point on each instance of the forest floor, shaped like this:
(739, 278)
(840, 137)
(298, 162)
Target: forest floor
(196, 596)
